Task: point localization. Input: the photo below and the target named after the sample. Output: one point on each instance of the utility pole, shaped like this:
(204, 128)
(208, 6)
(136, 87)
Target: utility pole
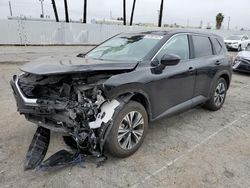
(228, 24)
(85, 12)
(132, 13)
(160, 15)
(124, 12)
(55, 11)
(42, 15)
(10, 8)
(66, 11)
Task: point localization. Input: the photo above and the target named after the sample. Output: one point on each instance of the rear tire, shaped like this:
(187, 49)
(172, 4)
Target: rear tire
(129, 130)
(218, 95)
(239, 48)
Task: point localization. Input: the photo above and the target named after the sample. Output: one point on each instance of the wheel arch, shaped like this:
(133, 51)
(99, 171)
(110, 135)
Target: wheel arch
(139, 97)
(223, 74)
(227, 78)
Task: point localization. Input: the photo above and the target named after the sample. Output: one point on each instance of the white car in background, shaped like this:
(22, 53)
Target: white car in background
(237, 42)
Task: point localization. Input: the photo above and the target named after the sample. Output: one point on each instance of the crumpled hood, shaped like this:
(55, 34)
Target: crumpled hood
(244, 54)
(53, 65)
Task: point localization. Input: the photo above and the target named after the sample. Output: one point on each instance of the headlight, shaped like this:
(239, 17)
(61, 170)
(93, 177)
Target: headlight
(237, 59)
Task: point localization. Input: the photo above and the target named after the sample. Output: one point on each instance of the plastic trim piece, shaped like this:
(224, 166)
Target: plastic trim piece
(27, 101)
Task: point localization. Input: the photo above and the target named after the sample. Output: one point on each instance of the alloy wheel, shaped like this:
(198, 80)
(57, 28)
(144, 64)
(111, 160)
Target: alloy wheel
(130, 130)
(219, 94)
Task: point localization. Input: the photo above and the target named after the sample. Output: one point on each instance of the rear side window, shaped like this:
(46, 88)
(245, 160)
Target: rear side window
(217, 46)
(202, 46)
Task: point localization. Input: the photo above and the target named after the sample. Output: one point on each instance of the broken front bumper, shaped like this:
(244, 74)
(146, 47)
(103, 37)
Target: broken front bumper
(40, 112)
(242, 65)
(33, 111)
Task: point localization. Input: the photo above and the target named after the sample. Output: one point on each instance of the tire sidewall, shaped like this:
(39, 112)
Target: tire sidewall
(220, 80)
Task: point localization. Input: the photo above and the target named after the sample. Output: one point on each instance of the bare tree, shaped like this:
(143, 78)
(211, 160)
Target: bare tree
(55, 10)
(160, 15)
(124, 12)
(85, 12)
(66, 11)
(132, 13)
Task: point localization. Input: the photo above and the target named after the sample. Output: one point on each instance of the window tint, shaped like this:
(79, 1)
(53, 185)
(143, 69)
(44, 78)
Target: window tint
(202, 46)
(217, 45)
(177, 45)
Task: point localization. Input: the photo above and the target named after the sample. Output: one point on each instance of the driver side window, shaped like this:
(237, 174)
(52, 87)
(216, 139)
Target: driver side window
(177, 45)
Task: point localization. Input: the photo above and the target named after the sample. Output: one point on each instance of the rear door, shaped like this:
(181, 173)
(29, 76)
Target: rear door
(207, 63)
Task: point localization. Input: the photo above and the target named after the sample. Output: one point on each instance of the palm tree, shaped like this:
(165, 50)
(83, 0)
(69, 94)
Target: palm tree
(219, 20)
(85, 12)
(124, 12)
(160, 15)
(132, 13)
(55, 11)
(66, 11)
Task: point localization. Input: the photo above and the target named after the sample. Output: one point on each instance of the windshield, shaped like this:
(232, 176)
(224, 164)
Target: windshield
(127, 47)
(234, 37)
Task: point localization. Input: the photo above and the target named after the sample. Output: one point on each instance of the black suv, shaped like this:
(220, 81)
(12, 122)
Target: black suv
(104, 99)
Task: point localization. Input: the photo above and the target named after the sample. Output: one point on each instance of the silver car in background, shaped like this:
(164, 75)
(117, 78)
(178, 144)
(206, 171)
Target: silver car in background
(242, 61)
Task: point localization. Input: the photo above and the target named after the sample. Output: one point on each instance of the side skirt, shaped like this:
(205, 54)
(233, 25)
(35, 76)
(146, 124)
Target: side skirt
(182, 107)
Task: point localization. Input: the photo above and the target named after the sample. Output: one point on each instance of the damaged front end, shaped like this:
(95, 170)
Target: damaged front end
(73, 104)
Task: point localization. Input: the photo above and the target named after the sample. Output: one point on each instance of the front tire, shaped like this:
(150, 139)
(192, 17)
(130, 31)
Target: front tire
(128, 132)
(218, 95)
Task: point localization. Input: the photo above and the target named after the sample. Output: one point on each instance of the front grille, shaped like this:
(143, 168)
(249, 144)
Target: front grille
(26, 88)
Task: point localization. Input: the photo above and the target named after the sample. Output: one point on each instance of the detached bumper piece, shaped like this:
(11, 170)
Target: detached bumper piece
(37, 149)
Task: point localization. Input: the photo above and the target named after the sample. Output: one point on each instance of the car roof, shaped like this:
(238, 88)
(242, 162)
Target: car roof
(173, 31)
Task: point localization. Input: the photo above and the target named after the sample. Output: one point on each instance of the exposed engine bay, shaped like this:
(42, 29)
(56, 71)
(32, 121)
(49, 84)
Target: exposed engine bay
(73, 104)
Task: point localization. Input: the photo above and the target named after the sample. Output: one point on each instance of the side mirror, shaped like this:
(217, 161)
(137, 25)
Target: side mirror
(170, 59)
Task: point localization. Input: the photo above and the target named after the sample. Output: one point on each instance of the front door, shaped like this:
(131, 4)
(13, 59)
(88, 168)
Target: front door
(175, 84)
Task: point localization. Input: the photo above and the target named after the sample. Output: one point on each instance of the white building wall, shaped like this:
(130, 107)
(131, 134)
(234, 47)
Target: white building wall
(24, 32)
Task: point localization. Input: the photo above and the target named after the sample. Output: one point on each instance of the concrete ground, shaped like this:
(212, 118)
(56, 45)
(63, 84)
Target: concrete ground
(197, 148)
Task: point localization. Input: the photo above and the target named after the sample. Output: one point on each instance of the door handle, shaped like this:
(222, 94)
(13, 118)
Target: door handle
(217, 62)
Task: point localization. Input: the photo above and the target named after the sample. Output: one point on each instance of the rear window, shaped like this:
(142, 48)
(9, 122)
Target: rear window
(202, 46)
(217, 46)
